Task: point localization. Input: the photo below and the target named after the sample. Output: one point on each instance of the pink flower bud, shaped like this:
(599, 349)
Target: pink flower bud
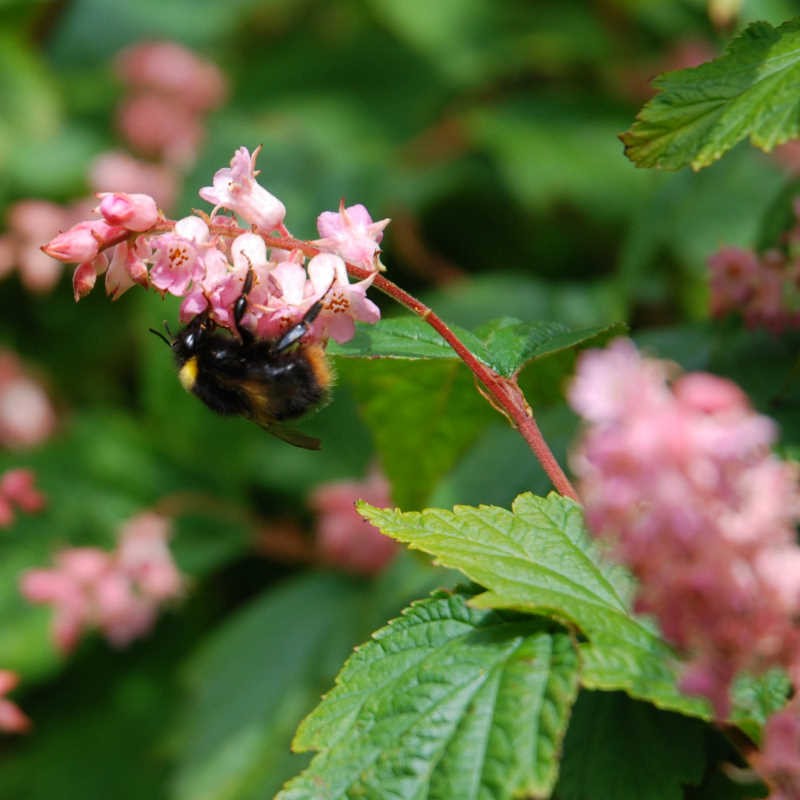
(135, 212)
(83, 279)
(82, 242)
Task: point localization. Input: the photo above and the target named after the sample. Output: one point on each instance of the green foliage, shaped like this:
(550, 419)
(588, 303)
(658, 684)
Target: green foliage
(652, 754)
(701, 113)
(446, 701)
(488, 133)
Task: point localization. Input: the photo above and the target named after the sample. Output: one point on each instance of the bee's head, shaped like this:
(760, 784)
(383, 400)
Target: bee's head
(185, 342)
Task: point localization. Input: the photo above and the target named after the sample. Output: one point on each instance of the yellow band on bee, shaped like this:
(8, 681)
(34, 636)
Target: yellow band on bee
(187, 374)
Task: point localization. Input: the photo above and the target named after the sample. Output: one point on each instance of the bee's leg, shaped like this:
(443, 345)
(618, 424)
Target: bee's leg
(240, 308)
(299, 331)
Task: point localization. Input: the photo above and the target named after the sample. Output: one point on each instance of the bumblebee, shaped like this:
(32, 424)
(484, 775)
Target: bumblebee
(266, 381)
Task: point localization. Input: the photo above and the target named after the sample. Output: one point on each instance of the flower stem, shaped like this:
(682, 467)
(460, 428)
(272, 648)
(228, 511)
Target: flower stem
(503, 393)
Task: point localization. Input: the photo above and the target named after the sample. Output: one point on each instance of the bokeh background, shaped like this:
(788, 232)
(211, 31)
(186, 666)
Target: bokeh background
(488, 132)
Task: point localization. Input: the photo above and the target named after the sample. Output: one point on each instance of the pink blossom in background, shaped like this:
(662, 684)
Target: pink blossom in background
(344, 538)
(143, 554)
(679, 477)
(170, 90)
(28, 223)
(778, 759)
(18, 490)
(156, 126)
(118, 592)
(27, 417)
(171, 69)
(12, 719)
(763, 288)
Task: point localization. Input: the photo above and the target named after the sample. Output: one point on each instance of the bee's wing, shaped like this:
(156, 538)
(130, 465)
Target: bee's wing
(291, 435)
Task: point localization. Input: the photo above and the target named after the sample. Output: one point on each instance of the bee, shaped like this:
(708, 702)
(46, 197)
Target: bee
(268, 381)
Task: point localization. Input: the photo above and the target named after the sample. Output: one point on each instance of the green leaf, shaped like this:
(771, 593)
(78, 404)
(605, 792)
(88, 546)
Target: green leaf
(700, 113)
(512, 344)
(506, 344)
(404, 337)
(617, 747)
(423, 416)
(445, 702)
(538, 558)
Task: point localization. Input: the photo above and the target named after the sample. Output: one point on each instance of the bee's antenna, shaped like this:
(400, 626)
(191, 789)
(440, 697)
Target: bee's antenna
(161, 336)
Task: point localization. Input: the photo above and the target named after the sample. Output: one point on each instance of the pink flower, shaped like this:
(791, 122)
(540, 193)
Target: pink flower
(345, 539)
(135, 212)
(344, 302)
(82, 242)
(351, 234)
(178, 257)
(12, 720)
(281, 301)
(236, 189)
(683, 475)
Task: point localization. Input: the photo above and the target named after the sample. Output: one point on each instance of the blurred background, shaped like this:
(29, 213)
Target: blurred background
(488, 132)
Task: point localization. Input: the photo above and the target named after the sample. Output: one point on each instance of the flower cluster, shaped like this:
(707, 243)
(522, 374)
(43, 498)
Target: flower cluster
(344, 538)
(764, 289)
(12, 720)
(206, 258)
(118, 592)
(679, 477)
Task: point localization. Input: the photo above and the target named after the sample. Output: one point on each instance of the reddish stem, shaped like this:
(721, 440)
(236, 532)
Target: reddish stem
(504, 393)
